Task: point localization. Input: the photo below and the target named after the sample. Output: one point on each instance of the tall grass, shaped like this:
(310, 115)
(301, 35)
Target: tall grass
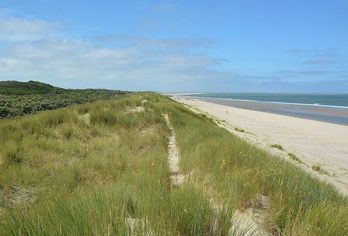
(92, 169)
(90, 179)
(238, 172)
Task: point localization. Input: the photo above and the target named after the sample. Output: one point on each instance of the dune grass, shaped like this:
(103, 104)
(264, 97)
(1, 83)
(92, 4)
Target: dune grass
(90, 169)
(277, 146)
(237, 172)
(295, 158)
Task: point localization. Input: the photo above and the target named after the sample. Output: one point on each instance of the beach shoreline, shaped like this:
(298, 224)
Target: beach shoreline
(316, 146)
(325, 113)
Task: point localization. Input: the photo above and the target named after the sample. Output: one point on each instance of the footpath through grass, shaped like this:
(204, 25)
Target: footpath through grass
(91, 169)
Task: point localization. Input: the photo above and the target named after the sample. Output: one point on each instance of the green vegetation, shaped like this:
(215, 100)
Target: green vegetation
(239, 130)
(277, 146)
(236, 171)
(20, 98)
(295, 158)
(27, 88)
(89, 169)
(319, 169)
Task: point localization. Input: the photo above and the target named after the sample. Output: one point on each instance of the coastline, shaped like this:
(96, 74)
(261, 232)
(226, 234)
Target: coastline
(319, 147)
(325, 113)
(257, 101)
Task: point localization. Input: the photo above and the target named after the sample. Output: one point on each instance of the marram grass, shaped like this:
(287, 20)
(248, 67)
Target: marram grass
(90, 169)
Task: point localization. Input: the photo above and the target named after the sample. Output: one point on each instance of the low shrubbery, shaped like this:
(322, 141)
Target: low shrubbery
(18, 99)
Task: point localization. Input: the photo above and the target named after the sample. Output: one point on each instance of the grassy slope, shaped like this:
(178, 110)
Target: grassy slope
(30, 87)
(21, 98)
(63, 175)
(236, 171)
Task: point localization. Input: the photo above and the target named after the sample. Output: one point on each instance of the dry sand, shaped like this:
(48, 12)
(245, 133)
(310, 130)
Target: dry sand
(177, 178)
(315, 143)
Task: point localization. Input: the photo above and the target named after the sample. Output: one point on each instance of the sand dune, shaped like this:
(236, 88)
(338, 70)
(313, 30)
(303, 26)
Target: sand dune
(315, 143)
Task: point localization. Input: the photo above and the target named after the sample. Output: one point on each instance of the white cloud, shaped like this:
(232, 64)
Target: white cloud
(21, 28)
(79, 63)
(16, 29)
(134, 66)
(31, 50)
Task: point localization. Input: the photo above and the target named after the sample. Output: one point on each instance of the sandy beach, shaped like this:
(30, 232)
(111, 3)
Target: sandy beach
(315, 143)
(331, 114)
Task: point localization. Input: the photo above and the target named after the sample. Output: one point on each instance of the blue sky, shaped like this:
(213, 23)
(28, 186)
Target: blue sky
(177, 46)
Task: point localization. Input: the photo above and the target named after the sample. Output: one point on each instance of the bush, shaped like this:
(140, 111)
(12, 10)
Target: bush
(12, 153)
(19, 104)
(103, 117)
(67, 131)
(5, 112)
(52, 119)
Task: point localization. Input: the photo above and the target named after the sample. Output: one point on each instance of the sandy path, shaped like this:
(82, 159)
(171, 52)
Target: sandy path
(242, 223)
(314, 142)
(176, 177)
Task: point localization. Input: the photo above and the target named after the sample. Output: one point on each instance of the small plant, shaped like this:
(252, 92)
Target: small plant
(94, 132)
(83, 109)
(12, 154)
(316, 167)
(294, 157)
(103, 117)
(130, 205)
(67, 132)
(319, 169)
(277, 146)
(55, 118)
(239, 130)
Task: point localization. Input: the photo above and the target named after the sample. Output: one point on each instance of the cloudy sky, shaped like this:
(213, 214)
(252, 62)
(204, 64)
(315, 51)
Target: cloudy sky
(177, 46)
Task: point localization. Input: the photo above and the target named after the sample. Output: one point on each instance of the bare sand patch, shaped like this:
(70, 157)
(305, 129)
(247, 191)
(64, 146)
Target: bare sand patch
(136, 110)
(86, 119)
(177, 178)
(137, 227)
(16, 195)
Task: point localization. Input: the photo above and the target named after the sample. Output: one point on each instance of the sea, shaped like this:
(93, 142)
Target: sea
(334, 100)
(332, 108)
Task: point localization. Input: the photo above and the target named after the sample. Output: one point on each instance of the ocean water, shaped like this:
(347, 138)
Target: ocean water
(339, 100)
(331, 108)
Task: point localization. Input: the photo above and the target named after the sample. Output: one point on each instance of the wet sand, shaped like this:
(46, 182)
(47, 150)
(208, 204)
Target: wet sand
(314, 142)
(321, 113)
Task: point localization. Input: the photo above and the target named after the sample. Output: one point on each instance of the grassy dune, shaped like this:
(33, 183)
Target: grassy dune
(24, 98)
(90, 169)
